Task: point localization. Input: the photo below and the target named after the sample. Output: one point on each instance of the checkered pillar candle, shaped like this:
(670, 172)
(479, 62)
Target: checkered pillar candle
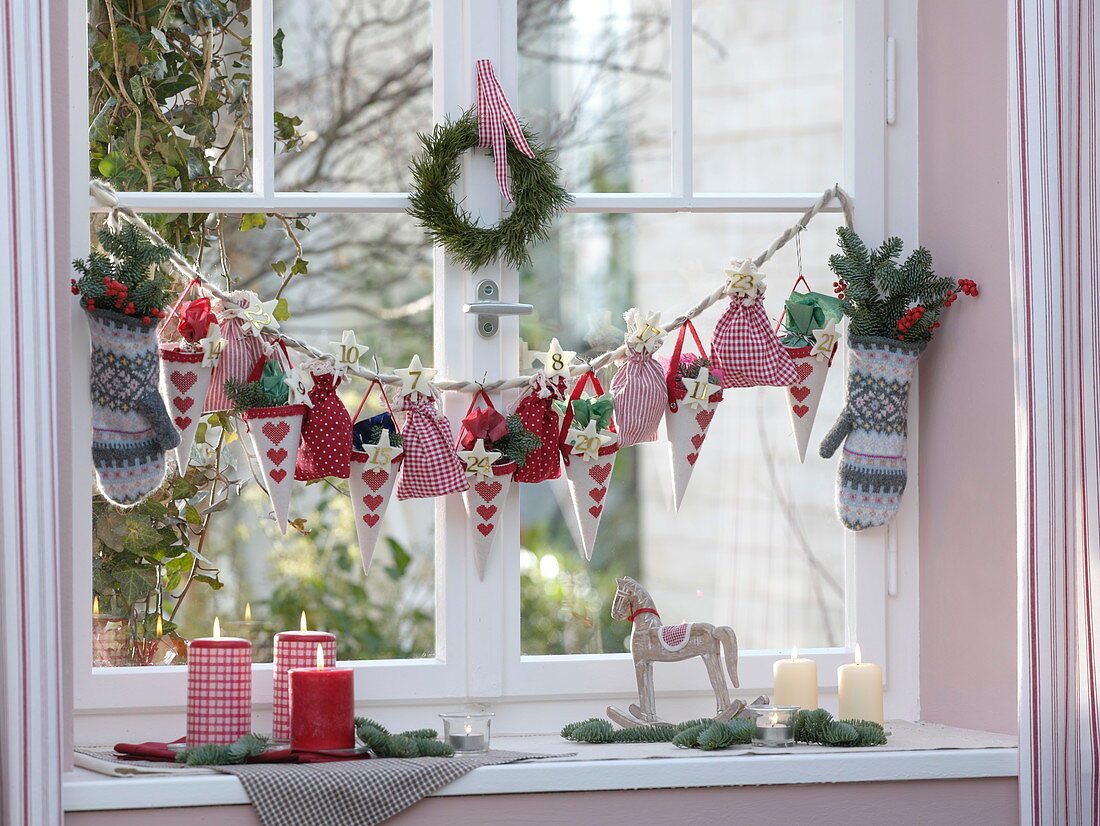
(219, 689)
(295, 649)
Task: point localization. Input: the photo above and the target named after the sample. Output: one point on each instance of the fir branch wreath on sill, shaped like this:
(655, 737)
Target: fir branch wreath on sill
(534, 182)
(815, 727)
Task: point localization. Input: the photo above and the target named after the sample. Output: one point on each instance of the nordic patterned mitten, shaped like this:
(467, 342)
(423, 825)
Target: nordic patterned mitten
(873, 427)
(131, 429)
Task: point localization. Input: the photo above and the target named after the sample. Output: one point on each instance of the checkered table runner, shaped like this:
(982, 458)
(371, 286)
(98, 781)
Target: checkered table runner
(353, 793)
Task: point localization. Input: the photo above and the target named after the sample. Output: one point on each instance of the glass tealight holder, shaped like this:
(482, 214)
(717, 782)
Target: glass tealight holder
(467, 732)
(774, 726)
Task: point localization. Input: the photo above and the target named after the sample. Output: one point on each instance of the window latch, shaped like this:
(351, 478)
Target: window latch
(489, 308)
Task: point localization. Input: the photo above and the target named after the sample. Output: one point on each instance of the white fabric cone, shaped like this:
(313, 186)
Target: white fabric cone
(183, 384)
(804, 397)
(686, 428)
(371, 486)
(588, 486)
(485, 500)
(276, 433)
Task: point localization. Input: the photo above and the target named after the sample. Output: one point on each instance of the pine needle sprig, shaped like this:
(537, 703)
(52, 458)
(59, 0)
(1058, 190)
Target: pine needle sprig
(124, 277)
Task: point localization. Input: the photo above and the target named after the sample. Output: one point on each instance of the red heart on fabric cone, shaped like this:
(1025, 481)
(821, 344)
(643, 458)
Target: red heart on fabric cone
(276, 431)
(800, 393)
(371, 519)
(183, 381)
(485, 529)
(596, 510)
(182, 403)
(692, 458)
(488, 490)
(804, 369)
(486, 511)
(800, 410)
(374, 479)
(278, 475)
(597, 494)
(372, 502)
(703, 417)
(182, 422)
(276, 454)
(600, 473)
(697, 440)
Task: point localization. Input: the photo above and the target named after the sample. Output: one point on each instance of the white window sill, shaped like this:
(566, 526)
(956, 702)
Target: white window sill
(87, 791)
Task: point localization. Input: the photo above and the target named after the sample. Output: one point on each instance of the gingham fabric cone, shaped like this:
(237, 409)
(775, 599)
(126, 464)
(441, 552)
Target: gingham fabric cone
(536, 410)
(326, 433)
(804, 396)
(588, 481)
(276, 433)
(371, 484)
(430, 467)
(240, 352)
(746, 350)
(685, 425)
(184, 382)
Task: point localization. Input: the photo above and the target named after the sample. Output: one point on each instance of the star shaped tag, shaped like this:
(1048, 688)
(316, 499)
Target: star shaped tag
(383, 453)
(699, 390)
(416, 378)
(261, 314)
(555, 360)
(300, 383)
(479, 461)
(646, 335)
(212, 346)
(348, 350)
(744, 279)
(824, 341)
(587, 442)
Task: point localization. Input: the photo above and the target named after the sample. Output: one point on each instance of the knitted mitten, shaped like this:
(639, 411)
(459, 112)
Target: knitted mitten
(131, 429)
(873, 428)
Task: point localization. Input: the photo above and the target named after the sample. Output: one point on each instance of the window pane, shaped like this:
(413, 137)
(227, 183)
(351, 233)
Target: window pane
(768, 95)
(358, 75)
(756, 543)
(594, 83)
(169, 95)
(370, 273)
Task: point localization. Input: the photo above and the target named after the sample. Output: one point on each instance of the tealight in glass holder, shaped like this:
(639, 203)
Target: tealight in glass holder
(467, 732)
(774, 727)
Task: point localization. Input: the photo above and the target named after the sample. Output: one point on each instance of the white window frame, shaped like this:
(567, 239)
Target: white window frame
(478, 655)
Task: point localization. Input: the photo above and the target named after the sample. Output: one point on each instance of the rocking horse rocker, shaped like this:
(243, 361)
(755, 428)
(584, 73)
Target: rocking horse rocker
(652, 642)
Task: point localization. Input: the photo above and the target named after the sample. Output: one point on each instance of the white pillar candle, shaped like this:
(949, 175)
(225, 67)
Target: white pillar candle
(859, 685)
(795, 682)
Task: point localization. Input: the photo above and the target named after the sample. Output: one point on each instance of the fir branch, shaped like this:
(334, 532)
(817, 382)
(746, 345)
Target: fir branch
(219, 754)
(415, 743)
(124, 277)
(519, 442)
(246, 395)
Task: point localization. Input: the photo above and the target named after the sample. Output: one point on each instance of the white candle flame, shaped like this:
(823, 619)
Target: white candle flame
(248, 612)
(794, 652)
(217, 627)
(859, 655)
(469, 728)
(95, 605)
(302, 624)
(320, 656)
(773, 720)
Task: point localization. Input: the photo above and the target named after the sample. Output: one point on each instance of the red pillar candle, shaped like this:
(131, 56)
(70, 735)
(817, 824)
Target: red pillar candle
(219, 689)
(322, 708)
(295, 649)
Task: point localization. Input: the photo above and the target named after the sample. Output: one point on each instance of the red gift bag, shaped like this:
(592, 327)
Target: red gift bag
(326, 433)
(240, 352)
(640, 395)
(746, 350)
(536, 411)
(430, 466)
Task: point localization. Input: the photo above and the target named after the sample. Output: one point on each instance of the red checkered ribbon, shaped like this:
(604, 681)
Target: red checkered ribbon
(495, 121)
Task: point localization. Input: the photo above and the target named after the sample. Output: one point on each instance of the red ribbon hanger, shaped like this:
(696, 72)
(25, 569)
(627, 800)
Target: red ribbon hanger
(674, 365)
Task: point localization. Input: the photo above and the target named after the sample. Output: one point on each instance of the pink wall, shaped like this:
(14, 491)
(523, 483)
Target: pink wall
(967, 536)
(916, 802)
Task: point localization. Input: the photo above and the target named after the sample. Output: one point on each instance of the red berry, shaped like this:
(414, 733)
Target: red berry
(91, 304)
(145, 320)
(901, 338)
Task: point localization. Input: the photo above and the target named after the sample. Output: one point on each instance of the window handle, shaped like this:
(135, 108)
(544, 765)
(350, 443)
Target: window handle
(489, 308)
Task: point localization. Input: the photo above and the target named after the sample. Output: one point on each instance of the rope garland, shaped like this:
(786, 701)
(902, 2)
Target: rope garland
(105, 194)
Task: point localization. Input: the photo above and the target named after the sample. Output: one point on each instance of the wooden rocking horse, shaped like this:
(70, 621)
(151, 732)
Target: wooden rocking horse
(652, 642)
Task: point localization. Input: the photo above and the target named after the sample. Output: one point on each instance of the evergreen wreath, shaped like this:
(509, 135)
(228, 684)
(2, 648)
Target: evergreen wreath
(817, 726)
(534, 182)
